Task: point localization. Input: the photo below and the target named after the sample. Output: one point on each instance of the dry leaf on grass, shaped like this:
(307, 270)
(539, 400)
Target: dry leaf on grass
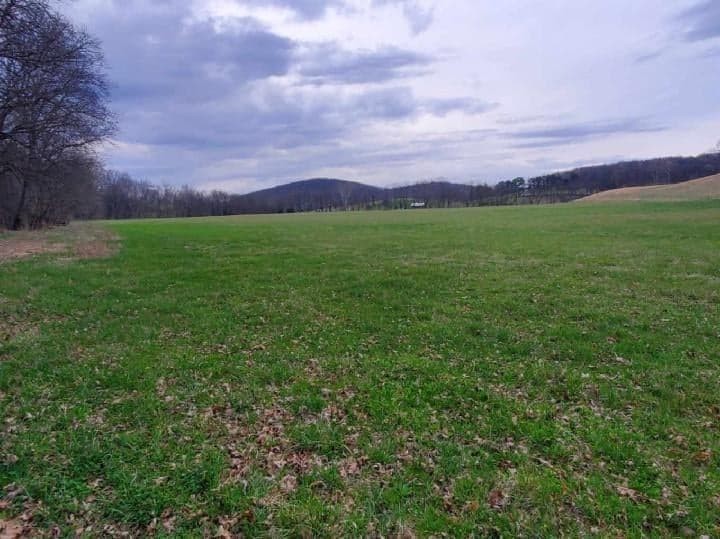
(351, 466)
(289, 484)
(405, 533)
(497, 499)
(630, 493)
(225, 528)
(168, 521)
(12, 529)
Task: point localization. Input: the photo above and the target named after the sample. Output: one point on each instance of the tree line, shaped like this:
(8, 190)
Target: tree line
(97, 193)
(117, 195)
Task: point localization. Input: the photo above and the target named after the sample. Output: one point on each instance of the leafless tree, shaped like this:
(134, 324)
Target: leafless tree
(53, 108)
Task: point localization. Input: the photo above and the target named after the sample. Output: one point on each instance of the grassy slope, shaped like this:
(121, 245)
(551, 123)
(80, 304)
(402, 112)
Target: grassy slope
(703, 188)
(536, 370)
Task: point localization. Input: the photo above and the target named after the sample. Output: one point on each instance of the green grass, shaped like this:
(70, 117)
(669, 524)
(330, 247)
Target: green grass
(537, 371)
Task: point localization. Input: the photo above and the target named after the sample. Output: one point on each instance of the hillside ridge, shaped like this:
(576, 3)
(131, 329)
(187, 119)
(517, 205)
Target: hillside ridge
(701, 188)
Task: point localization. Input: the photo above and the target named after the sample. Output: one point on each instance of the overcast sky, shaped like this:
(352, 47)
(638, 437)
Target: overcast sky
(243, 94)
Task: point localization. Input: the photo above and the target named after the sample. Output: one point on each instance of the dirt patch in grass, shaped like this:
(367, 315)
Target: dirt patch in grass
(12, 248)
(93, 249)
(11, 330)
(75, 241)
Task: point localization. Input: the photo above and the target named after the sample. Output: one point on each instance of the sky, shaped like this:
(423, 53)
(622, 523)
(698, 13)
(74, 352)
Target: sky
(239, 95)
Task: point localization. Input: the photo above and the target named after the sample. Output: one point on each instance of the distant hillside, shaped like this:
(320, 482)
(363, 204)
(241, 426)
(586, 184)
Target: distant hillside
(700, 189)
(121, 197)
(581, 182)
(333, 194)
(308, 195)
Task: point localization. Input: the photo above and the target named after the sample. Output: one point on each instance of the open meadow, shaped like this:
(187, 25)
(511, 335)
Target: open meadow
(523, 371)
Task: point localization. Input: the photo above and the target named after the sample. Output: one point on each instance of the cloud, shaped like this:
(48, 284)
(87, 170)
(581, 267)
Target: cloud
(268, 115)
(329, 64)
(158, 55)
(419, 18)
(468, 105)
(292, 118)
(233, 87)
(305, 9)
(710, 53)
(650, 56)
(701, 21)
(578, 132)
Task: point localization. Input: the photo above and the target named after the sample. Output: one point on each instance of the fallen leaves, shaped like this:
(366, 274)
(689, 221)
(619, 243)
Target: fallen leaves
(497, 499)
(288, 484)
(167, 520)
(405, 532)
(622, 361)
(264, 445)
(680, 441)
(227, 525)
(303, 462)
(351, 466)
(13, 529)
(223, 532)
(703, 457)
(332, 413)
(239, 465)
(627, 492)
(21, 526)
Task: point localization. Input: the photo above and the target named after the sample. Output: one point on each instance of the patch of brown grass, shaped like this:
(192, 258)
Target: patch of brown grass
(12, 329)
(75, 241)
(12, 248)
(700, 189)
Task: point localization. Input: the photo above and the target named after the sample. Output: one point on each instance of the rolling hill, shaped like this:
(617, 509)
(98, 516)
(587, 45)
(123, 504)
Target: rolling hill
(663, 175)
(306, 195)
(327, 193)
(699, 189)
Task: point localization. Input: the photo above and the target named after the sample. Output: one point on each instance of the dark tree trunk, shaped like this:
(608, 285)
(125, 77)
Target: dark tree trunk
(17, 219)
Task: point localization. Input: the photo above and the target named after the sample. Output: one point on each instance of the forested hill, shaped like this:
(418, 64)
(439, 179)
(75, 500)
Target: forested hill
(329, 194)
(325, 194)
(309, 195)
(589, 180)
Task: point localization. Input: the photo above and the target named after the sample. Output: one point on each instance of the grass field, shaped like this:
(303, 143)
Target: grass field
(534, 371)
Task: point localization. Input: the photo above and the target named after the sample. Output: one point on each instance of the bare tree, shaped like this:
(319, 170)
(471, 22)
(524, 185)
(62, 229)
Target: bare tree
(53, 105)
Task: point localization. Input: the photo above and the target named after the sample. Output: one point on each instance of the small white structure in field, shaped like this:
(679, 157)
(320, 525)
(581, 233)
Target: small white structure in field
(417, 205)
